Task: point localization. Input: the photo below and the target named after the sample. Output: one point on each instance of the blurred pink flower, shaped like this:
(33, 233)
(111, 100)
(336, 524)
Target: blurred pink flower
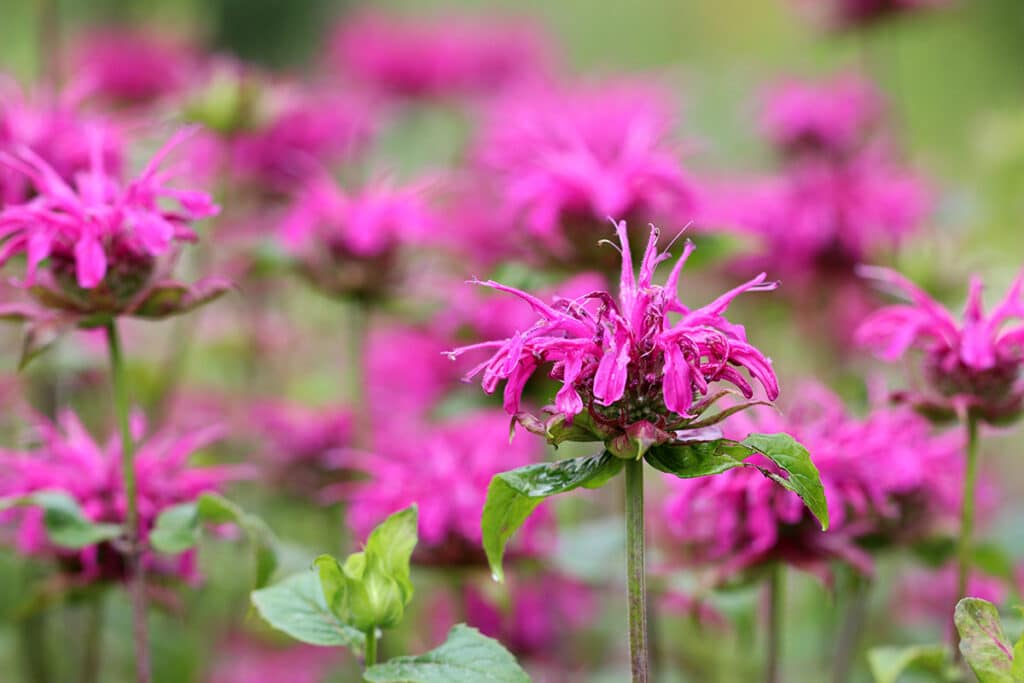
(436, 57)
(295, 434)
(132, 65)
(246, 660)
(567, 161)
(641, 358)
(886, 477)
(445, 470)
(928, 595)
(974, 365)
(347, 242)
(833, 118)
(54, 128)
(67, 459)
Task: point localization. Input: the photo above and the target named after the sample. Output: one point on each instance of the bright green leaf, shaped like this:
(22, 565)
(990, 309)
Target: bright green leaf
(466, 656)
(697, 458)
(66, 524)
(887, 664)
(390, 545)
(982, 641)
(297, 607)
(513, 495)
(176, 529)
(802, 476)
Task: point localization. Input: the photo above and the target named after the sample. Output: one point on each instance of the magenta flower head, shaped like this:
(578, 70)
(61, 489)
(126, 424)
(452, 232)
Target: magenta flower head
(442, 57)
(444, 469)
(642, 362)
(101, 248)
(347, 244)
(564, 162)
(67, 459)
(973, 366)
(831, 119)
(888, 480)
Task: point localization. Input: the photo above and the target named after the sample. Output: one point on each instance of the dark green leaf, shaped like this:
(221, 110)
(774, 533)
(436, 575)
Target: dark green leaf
(297, 607)
(66, 524)
(697, 458)
(466, 656)
(887, 664)
(982, 641)
(802, 476)
(513, 495)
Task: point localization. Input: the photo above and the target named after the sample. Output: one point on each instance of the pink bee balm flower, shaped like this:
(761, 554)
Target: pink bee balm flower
(348, 242)
(832, 118)
(246, 660)
(67, 459)
(298, 434)
(445, 470)
(133, 66)
(567, 161)
(972, 365)
(94, 245)
(439, 57)
(644, 357)
(926, 595)
(886, 477)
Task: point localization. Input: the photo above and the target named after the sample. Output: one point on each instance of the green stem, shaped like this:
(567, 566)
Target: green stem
(964, 546)
(852, 629)
(92, 653)
(636, 580)
(35, 662)
(137, 575)
(358, 332)
(371, 647)
(776, 598)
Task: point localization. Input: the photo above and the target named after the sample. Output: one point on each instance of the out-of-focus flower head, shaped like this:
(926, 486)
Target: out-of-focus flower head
(347, 243)
(92, 248)
(439, 57)
(55, 130)
(536, 618)
(639, 362)
(445, 470)
(832, 118)
(971, 366)
(854, 14)
(565, 161)
(132, 65)
(67, 459)
(887, 480)
(245, 660)
(927, 595)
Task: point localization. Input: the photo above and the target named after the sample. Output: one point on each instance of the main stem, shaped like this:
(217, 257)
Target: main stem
(137, 575)
(636, 580)
(776, 597)
(92, 653)
(966, 519)
(371, 647)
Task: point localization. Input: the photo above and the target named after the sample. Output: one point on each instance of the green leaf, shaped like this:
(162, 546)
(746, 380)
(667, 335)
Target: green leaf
(887, 664)
(296, 606)
(982, 641)
(466, 656)
(803, 477)
(66, 524)
(178, 528)
(513, 495)
(697, 458)
(390, 545)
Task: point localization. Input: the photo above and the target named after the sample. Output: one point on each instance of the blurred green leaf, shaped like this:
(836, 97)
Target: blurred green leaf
(297, 606)
(512, 496)
(466, 656)
(983, 643)
(888, 663)
(66, 524)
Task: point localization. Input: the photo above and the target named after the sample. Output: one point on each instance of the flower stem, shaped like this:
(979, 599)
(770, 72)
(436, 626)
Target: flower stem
(371, 647)
(92, 654)
(964, 547)
(776, 598)
(32, 648)
(137, 575)
(852, 629)
(636, 580)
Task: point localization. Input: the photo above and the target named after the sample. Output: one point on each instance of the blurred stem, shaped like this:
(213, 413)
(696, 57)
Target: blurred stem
(776, 599)
(854, 618)
(137, 575)
(48, 38)
(964, 545)
(358, 331)
(92, 654)
(32, 647)
(636, 580)
(371, 647)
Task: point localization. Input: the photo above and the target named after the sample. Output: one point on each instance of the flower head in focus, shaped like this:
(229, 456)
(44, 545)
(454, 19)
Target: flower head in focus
(887, 479)
(973, 366)
(642, 361)
(444, 470)
(348, 243)
(436, 58)
(564, 162)
(67, 459)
